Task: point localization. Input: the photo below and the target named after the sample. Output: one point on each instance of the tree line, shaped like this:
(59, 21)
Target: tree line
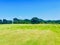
(34, 20)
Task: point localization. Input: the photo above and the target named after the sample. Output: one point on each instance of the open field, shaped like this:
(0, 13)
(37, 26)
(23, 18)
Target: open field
(30, 34)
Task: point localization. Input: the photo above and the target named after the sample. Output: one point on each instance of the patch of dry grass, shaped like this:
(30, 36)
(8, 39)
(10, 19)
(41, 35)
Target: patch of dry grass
(29, 37)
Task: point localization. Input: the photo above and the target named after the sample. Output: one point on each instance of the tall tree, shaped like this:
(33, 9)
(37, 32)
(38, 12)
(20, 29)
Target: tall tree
(15, 20)
(4, 21)
(35, 20)
(9, 21)
(0, 21)
(27, 21)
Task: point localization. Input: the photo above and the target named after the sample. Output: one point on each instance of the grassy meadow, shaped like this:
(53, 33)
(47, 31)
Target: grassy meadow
(29, 34)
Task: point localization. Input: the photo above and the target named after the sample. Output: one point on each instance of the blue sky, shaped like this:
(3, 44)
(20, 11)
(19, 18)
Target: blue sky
(44, 9)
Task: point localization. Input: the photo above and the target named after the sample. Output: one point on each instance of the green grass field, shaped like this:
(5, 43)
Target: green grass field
(30, 34)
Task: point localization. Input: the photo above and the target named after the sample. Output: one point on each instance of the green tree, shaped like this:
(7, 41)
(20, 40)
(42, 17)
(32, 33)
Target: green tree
(15, 21)
(9, 21)
(4, 21)
(35, 20)
(27, 21)
(0, 21)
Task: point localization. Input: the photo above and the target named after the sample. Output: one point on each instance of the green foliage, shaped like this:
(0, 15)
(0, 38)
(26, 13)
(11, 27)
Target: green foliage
(27, 21)
(34, 20)
(16, 21)
(6, 21)
(0, 21)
